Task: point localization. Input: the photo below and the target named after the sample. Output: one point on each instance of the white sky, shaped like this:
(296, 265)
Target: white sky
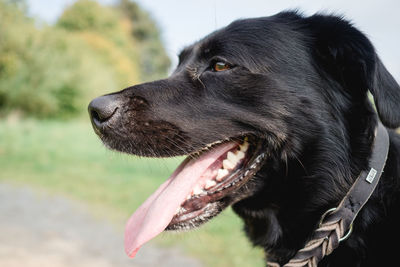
(185, 21)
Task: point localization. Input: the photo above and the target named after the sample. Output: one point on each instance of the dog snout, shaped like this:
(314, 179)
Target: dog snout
(102, 109)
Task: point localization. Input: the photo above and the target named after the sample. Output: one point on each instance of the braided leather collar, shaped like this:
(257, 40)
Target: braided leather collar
(336, 223)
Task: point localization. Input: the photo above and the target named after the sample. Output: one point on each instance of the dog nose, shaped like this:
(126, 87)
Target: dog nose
(102, 109)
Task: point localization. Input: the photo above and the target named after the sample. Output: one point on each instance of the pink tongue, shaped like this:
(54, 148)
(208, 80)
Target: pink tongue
(154, 215)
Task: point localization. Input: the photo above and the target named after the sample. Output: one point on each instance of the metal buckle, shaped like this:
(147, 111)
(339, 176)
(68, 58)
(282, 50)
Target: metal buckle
(348, 233)
(324, 215)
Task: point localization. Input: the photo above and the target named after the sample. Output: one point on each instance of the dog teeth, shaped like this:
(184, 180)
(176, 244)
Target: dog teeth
(209, 184)
(235, 157)
(214, 173)
(227, 164)
(232, 157)
(240, 155)
(197, 191)
(221, 174)
(244, 146)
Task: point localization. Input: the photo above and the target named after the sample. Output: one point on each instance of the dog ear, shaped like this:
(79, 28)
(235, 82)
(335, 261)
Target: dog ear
(386, 92)
(348, 56)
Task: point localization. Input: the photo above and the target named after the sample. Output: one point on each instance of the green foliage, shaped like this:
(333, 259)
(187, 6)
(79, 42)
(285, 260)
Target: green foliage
(54, 71)
(106, 33)
(89, 16)
(41, 72)
(126, 26)
(153, 58)
(26, 81)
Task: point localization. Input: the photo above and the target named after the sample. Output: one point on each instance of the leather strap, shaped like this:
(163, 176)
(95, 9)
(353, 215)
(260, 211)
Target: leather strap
(336, 223)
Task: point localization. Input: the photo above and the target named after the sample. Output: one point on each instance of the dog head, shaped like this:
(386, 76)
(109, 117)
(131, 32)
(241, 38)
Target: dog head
(256, 106)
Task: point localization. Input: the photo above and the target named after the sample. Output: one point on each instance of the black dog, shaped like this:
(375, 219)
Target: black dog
(275, 117)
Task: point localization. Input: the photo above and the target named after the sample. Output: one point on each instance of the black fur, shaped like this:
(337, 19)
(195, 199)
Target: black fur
(301, 84)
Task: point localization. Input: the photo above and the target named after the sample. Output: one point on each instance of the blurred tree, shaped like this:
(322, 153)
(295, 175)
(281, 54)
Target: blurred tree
(20, 4)
(54, 71)
(46, 72)
(105, 32)
(127, 26)
(153, 58)
(88, 15)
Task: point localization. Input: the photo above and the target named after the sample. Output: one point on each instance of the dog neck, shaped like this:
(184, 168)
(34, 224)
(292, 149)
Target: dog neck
(336, 224)
(283, 227)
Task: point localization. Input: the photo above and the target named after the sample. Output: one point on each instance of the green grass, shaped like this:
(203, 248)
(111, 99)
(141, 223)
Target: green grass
(67, 158)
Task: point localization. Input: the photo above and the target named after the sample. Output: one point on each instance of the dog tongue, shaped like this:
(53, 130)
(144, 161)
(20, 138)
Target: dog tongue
(154, 215)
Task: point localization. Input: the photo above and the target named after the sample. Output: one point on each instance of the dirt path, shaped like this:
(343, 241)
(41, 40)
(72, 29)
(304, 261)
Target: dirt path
(38, 230)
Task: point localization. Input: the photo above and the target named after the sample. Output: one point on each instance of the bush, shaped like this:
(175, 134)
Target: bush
(46, 73)
(153, 58)
(54, 71)
(88, 16)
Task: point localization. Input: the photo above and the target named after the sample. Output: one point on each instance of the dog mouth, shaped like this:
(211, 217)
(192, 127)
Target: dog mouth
(199, 189)
(227, 174)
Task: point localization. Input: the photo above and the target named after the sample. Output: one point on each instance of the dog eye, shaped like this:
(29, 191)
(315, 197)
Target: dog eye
(221, 66)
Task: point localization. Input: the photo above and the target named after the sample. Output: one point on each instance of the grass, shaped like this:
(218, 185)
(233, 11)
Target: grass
(67, 158)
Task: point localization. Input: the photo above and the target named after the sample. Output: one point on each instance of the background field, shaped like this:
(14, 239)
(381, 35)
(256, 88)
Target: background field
(67, 158)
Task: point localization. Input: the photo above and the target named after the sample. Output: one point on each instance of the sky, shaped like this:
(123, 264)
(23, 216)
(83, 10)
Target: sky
(183, 22)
